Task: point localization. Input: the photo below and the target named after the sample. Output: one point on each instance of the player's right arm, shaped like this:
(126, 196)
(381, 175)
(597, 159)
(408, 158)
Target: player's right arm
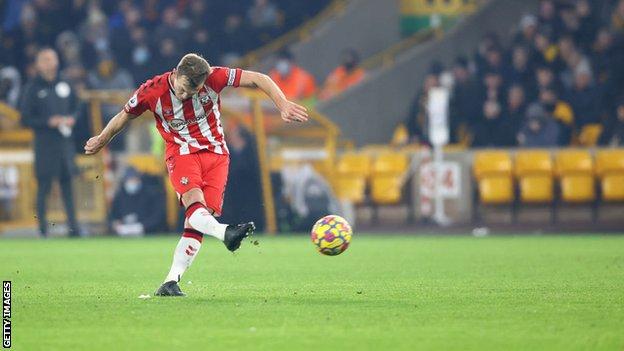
(114, 126)
(138, 103)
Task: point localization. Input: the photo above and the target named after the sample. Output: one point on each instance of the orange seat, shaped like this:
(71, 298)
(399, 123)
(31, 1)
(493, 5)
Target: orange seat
(534, 171)
(575, 169)
(610, 170)
(492, 170)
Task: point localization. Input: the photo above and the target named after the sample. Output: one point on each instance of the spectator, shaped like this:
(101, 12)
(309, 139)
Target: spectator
(575, 61)
(235, 36)
(538, 130)
(142, 55)
(528, 29)
(546, 52)
(344, 76)
(10, 85)
(121, 42)
(494, 59)
(613, 134)
(205, 44)
(263, 14)
(69, 48)
(417, 120)
(548, 18)
(584, 98)
(515, 111)
(545, 79)
(494, 129)
(606, 58)
(588, 24)
(296, 82)
(28, 40)
(617, 19)
(173, 27)
(243, 196)
(138, 206)
(167, 57)
(94, 32)
(489, 41)
(520, 72)
(464, 105)
(493, 86)
(560, 111)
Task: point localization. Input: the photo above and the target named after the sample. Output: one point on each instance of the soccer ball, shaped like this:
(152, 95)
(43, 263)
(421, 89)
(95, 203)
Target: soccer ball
(331, 235)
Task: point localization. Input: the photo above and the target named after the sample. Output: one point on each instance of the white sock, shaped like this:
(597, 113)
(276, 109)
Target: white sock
(183, 256)
(201, 220)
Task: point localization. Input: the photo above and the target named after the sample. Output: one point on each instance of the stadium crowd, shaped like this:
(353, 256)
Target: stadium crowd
(118, 44)
(561, 72)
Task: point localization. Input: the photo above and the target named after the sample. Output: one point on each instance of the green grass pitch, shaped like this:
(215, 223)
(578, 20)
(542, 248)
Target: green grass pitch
(385, 293)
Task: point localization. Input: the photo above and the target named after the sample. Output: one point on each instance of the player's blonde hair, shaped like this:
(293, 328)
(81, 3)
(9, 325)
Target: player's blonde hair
(194, 67)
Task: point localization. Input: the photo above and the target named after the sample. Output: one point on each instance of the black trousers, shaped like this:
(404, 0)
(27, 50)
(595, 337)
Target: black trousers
(67, 193)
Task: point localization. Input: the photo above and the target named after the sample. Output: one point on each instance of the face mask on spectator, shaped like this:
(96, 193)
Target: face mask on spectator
(132, 186)
(101, 44)
(283, 67)
(140, 55)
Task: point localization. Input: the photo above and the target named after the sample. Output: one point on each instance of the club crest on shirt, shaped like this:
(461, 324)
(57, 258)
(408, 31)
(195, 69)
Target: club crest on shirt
(167, 112)
(204, 98)
(184, 180)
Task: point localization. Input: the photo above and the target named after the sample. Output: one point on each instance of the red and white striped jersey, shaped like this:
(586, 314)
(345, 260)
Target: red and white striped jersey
(190, 125)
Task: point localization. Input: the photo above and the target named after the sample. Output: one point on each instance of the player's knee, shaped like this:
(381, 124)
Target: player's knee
(192, 196)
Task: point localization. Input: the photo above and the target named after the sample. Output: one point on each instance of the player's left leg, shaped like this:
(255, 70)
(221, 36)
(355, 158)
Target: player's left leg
(200, 206)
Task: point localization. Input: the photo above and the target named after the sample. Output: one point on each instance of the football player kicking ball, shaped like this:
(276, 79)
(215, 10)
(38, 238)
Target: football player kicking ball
(186, 106)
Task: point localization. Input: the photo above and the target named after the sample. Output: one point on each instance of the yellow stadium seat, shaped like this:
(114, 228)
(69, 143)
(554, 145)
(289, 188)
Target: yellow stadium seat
(610, 170)
(351, 188)
(388, 174)
(492, 170)
(354, 164)
(394, 163)
(496, 189)
(590, 134)
(386, 189)
(575, 169)
(534, 171)
(352, 173)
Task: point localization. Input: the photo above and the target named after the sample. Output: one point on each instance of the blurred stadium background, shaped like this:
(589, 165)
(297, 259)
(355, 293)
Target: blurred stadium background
(427, 115)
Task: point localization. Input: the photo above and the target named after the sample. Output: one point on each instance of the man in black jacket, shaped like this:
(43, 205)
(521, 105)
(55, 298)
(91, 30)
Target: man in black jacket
(49, 106)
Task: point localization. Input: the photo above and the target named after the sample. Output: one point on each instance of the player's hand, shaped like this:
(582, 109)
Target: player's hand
(95, 144)
(292, 112)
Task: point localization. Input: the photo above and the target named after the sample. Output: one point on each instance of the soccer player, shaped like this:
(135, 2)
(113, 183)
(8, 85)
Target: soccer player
(186, 106)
